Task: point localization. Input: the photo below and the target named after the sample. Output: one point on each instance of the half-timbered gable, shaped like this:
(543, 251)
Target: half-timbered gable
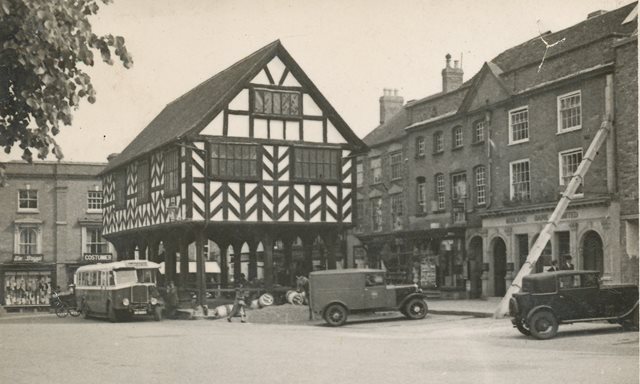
(268, 148)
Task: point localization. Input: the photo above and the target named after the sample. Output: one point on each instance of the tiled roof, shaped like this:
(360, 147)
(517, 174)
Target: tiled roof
(389, 130)
(575, 36)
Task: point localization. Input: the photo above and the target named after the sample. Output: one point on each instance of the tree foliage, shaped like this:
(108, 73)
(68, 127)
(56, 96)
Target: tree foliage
(45, 46)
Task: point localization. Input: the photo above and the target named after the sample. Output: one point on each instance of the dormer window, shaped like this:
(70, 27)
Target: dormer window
(281, 103)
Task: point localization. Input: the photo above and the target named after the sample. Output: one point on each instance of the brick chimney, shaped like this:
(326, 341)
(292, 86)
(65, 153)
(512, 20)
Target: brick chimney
(390, 104)
(451, 77)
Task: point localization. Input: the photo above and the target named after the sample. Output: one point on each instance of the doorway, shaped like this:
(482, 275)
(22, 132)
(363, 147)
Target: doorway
(592, 252)
(499, 267)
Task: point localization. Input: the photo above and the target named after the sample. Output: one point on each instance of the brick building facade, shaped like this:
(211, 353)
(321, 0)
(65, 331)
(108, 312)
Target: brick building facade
(51, 224)
(458, 185)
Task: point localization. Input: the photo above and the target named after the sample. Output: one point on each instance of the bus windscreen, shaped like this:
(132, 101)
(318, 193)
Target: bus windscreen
(126, 276)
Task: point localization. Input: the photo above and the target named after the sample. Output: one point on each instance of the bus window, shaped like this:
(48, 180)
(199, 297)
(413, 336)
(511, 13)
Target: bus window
(146, 275)
(126, 276)
(90, 278)
(111, 279)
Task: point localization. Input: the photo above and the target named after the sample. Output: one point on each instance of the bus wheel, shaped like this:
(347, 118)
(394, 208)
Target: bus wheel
(111, 313)
(157, 313)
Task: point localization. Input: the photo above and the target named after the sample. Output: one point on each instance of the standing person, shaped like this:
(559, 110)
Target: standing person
(554, 266)
(172, 298)
(566, 265)
(238, 305)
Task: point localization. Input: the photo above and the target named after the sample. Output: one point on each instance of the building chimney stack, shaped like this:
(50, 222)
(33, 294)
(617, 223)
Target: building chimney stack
(451, 77)
(390, 104)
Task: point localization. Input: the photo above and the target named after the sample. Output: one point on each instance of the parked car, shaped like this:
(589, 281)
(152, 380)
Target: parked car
(564, 297)
(337, 293)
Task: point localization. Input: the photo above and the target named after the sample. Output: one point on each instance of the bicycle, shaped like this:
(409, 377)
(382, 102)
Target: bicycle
(63, 309)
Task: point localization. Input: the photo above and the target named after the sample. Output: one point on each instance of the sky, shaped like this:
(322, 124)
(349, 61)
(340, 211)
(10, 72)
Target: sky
(350, 49)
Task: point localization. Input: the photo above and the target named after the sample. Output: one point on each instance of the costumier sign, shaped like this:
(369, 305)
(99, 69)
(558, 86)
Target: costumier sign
(97, 257)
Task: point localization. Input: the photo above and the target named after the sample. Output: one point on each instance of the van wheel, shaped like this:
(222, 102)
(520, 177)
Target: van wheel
(416, 309)
(522, 327)
(111, 313)
(335, 315)
(543, 325)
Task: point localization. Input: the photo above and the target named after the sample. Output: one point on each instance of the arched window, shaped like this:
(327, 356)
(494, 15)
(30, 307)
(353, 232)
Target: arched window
(457, 137)
(28, 241)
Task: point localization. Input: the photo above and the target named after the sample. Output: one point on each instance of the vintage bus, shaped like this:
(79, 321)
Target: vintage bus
(119, 290)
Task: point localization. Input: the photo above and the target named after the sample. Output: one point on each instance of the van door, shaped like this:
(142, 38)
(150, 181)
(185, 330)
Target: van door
(375, 291)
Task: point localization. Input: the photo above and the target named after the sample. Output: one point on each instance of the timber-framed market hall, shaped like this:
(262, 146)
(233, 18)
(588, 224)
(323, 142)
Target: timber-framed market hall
(254, 160)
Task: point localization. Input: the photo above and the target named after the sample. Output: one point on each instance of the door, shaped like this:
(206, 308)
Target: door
(375, 291)
(499, 267)
(577, 298)
(592, 253)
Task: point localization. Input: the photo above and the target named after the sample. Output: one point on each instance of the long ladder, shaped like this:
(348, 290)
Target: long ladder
(545, 235)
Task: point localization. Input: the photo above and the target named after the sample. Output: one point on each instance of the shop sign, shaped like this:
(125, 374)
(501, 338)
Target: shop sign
(97, 257)
(28, 258)
(516, 219)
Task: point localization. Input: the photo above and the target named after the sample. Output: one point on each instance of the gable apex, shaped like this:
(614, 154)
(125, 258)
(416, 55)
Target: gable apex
(487, 87)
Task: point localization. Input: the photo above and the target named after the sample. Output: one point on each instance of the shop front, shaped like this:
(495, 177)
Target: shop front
(585, 233)
(435, 259)
(26, 282)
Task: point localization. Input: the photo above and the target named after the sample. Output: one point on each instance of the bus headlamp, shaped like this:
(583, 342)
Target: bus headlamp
(154, 301)
(125, 301)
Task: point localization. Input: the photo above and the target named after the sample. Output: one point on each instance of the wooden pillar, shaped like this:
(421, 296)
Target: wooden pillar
(170, 247)
(237, 261)
(332, 246)
(267, 242)
(183, 248)
(307, 254)
(224, 265)
(288, 257)
(200, 268)
(253, 261)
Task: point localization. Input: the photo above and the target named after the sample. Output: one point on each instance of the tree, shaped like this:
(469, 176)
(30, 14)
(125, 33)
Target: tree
(44, 48)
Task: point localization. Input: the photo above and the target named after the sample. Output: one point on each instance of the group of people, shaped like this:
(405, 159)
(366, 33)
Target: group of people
(565, 266)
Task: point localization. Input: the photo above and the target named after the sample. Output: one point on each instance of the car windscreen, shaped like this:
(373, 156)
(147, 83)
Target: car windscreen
(126, 276)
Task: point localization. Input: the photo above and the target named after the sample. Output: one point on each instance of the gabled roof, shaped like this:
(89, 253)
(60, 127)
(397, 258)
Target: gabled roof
(488, 69)
(389, 130)
(187, 115)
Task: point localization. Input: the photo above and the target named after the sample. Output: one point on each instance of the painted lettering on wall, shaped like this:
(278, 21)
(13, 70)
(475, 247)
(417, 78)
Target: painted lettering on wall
(516, 219)
(28, 258)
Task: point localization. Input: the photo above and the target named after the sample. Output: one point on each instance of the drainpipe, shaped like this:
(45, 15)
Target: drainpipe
(611, 138)
(489, 196)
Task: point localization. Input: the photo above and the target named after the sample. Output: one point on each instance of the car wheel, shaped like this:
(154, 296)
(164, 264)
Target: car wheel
(523, 327)
(543, 325)
(416, 309)
(335, 315)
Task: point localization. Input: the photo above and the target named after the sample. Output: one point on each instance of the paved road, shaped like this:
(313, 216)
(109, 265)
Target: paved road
(438, 349)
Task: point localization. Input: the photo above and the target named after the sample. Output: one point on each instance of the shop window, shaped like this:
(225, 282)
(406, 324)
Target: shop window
(316, 164)
(27, 288)
(94, 201)
(233, 160)
(27, 200)
(171, 173)
(359, 174)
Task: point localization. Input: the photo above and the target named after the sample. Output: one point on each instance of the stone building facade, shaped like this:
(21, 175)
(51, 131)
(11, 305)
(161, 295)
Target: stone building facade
(51, 224)
(483, 165)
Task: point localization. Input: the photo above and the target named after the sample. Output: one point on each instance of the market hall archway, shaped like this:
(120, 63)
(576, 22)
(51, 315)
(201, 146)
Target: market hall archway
(592, 252)
(499, 267)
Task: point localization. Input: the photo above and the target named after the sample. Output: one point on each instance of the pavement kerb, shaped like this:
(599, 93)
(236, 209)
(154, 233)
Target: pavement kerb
(460, 313)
